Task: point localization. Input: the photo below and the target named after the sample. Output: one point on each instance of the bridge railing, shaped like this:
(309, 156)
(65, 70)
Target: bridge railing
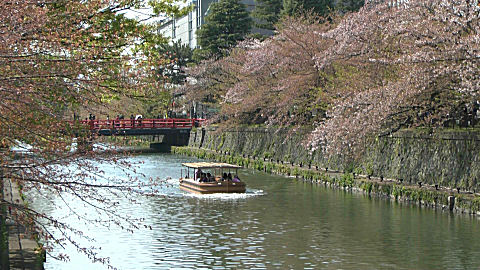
(170, 123)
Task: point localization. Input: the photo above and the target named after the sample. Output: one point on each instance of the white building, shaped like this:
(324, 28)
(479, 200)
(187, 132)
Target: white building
(184, 28)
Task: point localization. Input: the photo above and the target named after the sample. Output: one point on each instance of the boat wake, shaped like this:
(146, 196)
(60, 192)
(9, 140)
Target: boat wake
(227, 196)
(171, 181)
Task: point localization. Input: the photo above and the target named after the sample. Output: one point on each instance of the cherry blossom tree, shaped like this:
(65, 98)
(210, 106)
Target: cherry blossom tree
(426, 51)
(58, 57)
(392, 65)
(276, 70)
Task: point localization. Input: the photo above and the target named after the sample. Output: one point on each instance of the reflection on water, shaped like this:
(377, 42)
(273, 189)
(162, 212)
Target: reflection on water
(279, 223)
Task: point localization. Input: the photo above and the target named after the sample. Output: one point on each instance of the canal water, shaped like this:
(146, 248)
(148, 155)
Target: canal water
(280, 223)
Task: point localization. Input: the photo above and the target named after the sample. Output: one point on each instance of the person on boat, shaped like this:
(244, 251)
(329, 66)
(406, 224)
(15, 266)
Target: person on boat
(229, 176)
(224, 176)
(236, 179)
(204, 178)
(198, 175)
(209, 177)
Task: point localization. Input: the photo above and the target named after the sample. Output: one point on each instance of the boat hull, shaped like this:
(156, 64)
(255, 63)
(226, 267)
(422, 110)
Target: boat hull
(212, 187)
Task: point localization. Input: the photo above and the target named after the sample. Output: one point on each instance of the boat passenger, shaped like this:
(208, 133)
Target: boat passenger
(198, 175)
(229, 176)
(236, 179)
(204, 178)
(224, 176)
(209, 177)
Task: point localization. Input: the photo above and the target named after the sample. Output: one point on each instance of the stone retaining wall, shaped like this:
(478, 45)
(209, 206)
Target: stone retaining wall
(442, 198)
(448, 158)
(23, 251)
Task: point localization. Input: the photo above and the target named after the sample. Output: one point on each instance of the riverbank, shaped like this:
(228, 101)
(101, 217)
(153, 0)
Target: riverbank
(21, 251)
(425, 195)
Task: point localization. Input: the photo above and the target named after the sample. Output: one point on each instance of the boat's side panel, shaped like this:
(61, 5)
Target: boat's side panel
(203, 191)
(212, 187)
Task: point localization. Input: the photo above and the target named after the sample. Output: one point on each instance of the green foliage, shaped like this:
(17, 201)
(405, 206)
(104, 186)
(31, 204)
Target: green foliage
(177, 57)
(475, 205)
(369, 169)
(367, 186)
(346, 180)
(222, 141)
(358, 170)
(267, 155)
(157, 104)
(267, 12)
(386, 189)
(345, 6)
(258, 165)
(397, 191)
(298, 7)
(349, 168)
(270, 167)
(226, 23)
(200, 54)
(169, 7)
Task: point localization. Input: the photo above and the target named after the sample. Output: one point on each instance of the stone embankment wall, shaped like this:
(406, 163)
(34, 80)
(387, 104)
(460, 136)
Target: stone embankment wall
(423, 195)
(18, 249)
(447, 158)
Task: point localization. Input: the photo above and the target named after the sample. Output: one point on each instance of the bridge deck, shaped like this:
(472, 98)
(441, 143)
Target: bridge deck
(140, 126)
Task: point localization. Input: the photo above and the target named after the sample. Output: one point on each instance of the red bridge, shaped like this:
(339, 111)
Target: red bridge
(175, 131)
(138, 127)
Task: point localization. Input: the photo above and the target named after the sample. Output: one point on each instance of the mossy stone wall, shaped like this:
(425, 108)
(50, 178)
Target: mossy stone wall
(449, 158)
(445, 157)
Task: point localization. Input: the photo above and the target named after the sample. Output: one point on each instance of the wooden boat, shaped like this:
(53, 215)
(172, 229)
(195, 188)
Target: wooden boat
(194, 178)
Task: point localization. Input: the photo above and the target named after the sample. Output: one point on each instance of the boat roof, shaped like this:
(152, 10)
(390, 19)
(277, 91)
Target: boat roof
(211, 165)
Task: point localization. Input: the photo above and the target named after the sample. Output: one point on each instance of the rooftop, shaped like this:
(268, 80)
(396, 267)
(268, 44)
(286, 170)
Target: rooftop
(210, 165)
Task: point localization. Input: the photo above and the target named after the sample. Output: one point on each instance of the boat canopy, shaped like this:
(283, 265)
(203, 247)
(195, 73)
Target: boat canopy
(211, 165)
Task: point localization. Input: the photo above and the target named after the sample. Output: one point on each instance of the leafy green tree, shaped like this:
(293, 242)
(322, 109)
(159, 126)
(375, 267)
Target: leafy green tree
(227, 23)
(177, 56)
(345, 6)
(267, 12)
(296, 7)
